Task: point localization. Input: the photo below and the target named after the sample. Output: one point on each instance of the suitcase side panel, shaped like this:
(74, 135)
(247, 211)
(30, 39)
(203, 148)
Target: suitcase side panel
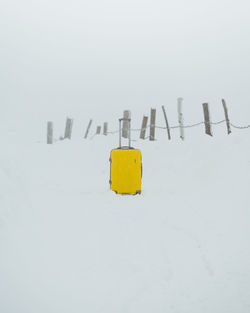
(125, 171)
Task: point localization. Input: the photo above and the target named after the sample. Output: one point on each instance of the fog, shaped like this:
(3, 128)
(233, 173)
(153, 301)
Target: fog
(69, 244)
(97, 57)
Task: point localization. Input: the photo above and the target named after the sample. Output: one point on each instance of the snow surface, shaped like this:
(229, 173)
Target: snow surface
(69, 244)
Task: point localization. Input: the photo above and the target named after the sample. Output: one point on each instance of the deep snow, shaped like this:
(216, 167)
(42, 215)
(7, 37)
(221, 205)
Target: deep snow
(69, 244)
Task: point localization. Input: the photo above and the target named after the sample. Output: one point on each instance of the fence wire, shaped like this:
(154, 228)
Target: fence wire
(184, 126)
(240, 127)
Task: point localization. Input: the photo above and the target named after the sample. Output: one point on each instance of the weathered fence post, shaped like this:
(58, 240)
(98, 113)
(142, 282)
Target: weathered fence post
(207, 119)
(98, 130)
(143, 127)
(152, 124)
(87, 130)
(68, 128)
(125, 123)
(105, 129)
(166, 120)
(226, 116)
(180, 117)
(49, 133)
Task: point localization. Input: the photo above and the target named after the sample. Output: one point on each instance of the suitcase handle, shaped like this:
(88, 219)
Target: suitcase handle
(120, 131)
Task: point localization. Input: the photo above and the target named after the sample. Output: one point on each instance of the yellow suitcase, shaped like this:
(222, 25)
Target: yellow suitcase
(125, 168)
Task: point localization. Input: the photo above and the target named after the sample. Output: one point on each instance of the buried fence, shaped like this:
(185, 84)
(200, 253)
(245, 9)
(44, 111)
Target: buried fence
(152, 124)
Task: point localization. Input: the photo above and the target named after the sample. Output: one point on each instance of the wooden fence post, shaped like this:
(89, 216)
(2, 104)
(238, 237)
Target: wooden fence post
(87, 130)
(49, 133)
(68, 128)
(143, 127)
(125, 124)
(105, 129)
(207, 119)
(98, 130)
(166, 120)
(226, 116)
(180, 117)
(152, 124)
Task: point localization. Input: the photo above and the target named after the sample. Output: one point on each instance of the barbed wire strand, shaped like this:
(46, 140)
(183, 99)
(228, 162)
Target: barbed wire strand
(184, 126)
(240, 127)
(216, 123)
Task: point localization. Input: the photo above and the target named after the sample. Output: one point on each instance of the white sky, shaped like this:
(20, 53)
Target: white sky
(65, 55)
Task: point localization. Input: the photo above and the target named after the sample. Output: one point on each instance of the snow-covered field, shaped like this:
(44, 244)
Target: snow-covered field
(69, 244)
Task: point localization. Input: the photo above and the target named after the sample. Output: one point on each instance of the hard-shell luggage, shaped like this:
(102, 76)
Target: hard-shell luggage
(125, 167)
